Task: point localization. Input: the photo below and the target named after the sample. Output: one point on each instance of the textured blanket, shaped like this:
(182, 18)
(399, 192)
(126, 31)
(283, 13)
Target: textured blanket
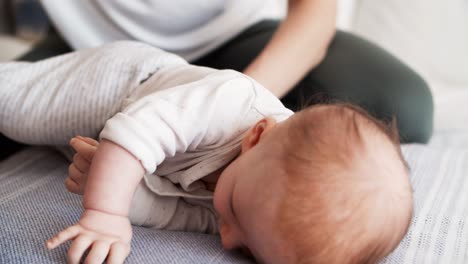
(34, 205)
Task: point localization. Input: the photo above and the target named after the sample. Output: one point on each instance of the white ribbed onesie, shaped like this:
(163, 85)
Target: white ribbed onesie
(181, 121)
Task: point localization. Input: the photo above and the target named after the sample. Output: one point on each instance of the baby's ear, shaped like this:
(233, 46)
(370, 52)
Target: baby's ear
(254, 135)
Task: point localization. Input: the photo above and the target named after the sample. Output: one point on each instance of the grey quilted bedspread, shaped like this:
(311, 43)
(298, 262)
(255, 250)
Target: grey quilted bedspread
(34, 205)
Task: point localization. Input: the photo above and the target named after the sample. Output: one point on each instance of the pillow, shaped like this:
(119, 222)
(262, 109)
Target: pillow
(345, 14)
(432, 37)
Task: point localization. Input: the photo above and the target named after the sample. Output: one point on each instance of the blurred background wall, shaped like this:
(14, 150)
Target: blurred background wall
(22, 22)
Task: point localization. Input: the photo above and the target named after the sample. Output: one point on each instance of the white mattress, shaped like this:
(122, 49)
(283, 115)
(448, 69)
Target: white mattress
(33, 179)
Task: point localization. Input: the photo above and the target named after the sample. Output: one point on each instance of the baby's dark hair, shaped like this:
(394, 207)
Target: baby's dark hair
(348, 197)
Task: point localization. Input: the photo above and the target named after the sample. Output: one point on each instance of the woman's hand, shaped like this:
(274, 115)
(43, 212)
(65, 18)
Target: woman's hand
(85, 148)
(298, 45)
(105, 235)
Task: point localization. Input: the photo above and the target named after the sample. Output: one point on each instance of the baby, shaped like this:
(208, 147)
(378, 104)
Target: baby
(190, 148)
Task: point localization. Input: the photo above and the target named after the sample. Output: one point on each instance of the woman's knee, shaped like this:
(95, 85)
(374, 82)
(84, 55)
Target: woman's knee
(359, 72)
(407, 98)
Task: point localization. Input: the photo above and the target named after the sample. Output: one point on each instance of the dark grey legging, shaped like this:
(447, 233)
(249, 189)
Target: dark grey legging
(354, 71)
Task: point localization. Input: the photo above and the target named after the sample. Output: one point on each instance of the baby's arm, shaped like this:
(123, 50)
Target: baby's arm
(104, 226)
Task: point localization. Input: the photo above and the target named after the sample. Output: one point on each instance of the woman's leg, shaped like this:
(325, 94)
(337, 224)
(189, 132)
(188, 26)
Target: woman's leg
(52, 45)
(354, 71)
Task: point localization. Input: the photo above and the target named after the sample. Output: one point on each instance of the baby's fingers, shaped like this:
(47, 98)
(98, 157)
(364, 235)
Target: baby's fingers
(78, 248)
(118, 253)
(89, 140)
(98, 252)
(74, 187)
(65, 235)
(83, 148)
(81, 163)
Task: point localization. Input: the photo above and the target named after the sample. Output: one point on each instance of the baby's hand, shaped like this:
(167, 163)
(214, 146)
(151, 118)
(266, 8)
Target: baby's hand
(105, 235)
(78, 170)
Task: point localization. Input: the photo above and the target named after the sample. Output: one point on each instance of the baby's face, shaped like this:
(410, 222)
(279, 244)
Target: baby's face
(244, 215)
(240, 198)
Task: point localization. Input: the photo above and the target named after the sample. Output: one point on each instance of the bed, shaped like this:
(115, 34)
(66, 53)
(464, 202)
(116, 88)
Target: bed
(34, 205)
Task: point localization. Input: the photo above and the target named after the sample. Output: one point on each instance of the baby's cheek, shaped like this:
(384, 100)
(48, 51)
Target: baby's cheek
(228, 238)
(222, 227)
(224, 233)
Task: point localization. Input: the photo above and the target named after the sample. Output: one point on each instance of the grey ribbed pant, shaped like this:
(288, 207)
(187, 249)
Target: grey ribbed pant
(51, 101)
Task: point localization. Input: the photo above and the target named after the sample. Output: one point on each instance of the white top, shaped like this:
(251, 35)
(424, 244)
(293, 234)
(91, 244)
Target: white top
(188, 28)
(184, 123)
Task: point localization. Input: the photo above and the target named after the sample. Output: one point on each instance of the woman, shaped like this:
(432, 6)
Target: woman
(301, 58)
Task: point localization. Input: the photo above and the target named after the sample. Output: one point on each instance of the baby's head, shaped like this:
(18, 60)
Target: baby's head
(328, 185)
